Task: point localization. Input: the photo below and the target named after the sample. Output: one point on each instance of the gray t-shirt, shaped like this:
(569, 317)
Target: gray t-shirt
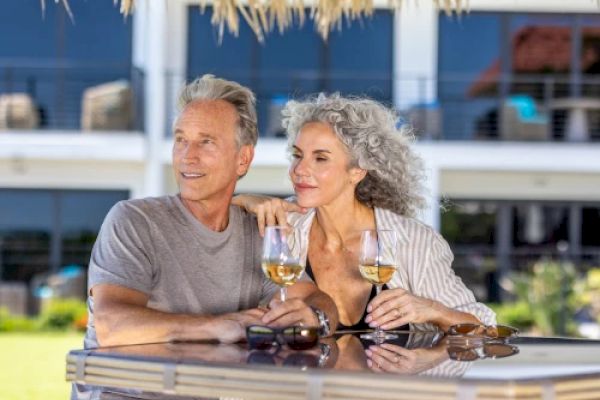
(156, 246)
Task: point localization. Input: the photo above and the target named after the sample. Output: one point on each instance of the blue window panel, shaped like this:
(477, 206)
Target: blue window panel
(25, 33)
(54, 60)
(232, 59)
(468, 47)
(360, 57)
(297, 63)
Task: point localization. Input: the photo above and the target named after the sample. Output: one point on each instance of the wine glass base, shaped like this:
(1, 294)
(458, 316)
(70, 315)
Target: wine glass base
(378, 336)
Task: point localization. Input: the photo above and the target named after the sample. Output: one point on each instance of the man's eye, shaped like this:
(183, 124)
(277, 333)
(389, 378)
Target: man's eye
(321, 159)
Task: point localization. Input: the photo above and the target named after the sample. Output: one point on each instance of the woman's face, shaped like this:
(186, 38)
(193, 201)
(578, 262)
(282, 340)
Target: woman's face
(320, 169)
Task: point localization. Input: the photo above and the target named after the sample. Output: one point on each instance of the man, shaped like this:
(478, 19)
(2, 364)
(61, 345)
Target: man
(187, 267)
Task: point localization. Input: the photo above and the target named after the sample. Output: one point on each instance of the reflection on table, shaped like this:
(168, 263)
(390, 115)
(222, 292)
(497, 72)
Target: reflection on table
(342, 367)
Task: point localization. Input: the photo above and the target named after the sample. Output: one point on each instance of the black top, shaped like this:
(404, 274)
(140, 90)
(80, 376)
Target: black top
(361, 325)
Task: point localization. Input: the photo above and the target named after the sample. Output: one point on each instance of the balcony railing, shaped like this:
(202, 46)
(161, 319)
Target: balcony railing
(70, 97)
(517, 108)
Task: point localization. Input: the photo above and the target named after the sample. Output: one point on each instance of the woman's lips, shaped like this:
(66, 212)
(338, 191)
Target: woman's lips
(303, 186)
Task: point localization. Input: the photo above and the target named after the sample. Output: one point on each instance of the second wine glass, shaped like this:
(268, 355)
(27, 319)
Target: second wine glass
(377, 264)
(281, 259)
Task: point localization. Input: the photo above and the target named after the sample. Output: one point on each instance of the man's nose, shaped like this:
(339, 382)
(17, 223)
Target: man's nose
(191, 152)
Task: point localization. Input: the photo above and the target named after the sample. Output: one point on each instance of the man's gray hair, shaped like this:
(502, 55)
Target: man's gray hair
(374, 143)
(208, 87)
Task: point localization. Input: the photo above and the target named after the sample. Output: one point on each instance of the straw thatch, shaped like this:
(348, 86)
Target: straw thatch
(263, 15)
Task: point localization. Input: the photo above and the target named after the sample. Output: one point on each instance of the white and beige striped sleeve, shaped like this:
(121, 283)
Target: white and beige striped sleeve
(439, 282)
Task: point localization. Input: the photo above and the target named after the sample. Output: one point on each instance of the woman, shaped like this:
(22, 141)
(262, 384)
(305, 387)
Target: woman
(352, 170)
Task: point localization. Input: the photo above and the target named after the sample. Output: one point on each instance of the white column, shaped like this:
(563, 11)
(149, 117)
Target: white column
(155, 117)
(415, 54)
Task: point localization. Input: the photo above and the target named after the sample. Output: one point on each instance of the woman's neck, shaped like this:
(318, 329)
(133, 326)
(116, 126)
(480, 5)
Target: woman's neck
(340, 223)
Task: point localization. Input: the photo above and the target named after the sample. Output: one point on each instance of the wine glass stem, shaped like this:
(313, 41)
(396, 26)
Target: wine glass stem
(283, 293)
(378, 330)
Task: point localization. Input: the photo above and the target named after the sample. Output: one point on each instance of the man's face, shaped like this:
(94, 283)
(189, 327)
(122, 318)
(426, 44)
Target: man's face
(206, 158)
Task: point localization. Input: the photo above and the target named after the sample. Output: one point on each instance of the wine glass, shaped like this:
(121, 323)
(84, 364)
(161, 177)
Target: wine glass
(281, 260)
(377, 264)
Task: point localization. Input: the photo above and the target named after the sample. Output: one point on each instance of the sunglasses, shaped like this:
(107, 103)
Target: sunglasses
(295, 359)
(296, 337)
(487, 350)
(489, 331)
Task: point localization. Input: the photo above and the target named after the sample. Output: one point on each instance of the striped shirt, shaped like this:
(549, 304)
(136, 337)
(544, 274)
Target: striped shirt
(424, 262)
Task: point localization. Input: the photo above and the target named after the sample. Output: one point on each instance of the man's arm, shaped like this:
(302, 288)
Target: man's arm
(296, 309)
(121, 316)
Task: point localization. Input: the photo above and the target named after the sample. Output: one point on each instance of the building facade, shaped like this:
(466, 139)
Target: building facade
(504, 102)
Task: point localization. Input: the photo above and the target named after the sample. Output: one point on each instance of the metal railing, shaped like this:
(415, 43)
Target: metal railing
(56, 91)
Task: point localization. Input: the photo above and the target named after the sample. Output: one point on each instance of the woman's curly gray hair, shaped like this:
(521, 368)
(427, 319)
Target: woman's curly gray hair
(374, 143)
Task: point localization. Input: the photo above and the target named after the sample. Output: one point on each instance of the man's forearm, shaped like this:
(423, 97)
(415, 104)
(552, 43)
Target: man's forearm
(118, 324)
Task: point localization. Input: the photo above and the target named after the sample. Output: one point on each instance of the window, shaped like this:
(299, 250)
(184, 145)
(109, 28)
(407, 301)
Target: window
(42, 230)
(54, 60)
(468, 69)
(358, 62)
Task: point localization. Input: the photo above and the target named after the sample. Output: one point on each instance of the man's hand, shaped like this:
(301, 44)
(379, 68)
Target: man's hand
(290, 312)
(231, 328)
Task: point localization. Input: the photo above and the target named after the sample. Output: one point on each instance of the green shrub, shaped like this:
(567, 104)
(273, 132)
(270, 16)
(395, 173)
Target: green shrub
(517, 314)
(16, 323)
(548, 292)
(62, 314)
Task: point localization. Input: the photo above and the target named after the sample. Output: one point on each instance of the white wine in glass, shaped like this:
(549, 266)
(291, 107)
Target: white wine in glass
(377, 265)
(281, 260)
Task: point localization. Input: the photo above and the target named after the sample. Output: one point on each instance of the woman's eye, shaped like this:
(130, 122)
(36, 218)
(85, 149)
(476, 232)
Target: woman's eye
(295, 156)
(321, 159)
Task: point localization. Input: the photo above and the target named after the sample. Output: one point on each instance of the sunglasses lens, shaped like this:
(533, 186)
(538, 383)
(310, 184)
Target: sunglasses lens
(301, 338)
(504, 331)
(464, 329)
(498, 350)
(462, 354)
(260, 337)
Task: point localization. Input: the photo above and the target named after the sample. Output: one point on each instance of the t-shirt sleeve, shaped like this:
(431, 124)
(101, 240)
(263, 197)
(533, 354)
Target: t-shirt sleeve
(122, 252)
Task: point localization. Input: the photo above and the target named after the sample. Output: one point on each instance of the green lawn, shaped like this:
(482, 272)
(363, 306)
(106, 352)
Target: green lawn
(32, 365)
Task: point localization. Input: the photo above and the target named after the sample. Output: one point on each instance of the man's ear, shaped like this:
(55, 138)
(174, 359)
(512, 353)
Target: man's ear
(357, 175)
(246, 154)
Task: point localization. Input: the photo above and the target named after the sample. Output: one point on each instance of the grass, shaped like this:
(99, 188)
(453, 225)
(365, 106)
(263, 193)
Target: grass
(32, 365)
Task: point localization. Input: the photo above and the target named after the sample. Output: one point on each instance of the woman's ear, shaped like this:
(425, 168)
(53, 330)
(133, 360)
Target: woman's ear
(357, 175)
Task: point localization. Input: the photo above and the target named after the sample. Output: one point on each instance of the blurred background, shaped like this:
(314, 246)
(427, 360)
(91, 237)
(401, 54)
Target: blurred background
(504, 101)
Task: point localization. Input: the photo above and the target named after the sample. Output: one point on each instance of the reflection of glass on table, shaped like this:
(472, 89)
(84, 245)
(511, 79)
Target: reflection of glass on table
(577, 126)
(568, 366)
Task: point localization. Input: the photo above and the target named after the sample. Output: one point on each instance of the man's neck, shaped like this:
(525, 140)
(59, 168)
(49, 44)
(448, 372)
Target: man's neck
(212, 214)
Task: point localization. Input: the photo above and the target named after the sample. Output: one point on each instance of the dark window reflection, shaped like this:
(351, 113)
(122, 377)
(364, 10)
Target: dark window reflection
(42, 230)
(536, 225)
(590, 227)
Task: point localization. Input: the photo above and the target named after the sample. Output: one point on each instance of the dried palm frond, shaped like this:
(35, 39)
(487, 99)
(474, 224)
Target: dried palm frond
(263, 15)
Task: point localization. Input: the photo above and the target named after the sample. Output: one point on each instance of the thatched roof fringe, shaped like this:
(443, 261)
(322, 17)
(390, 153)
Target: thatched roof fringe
(264, 15)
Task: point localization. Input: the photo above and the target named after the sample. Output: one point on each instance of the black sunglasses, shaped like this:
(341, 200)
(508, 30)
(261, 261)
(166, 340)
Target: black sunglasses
(486, 350)
(488, 331)
(295, 359)
(296, 337)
